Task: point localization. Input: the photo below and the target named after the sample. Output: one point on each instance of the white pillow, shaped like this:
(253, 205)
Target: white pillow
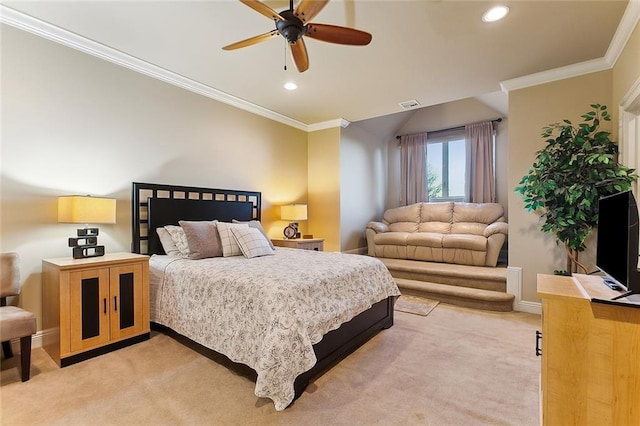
(179, 239)
(229, 245)
(168, 245)
(252, 242)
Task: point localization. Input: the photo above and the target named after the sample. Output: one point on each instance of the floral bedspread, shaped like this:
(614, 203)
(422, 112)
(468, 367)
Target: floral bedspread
(266, 312)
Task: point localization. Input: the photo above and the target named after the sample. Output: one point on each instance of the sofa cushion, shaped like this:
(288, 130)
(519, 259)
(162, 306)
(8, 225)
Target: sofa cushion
(464, 241)
(436, 217)
(436, 212)
(473, 218)
(425, 239)
(477, 212)
(403, 219)
(391, 238)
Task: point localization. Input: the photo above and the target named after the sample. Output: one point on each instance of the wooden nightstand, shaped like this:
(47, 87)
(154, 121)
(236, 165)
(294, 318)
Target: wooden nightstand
(95, 305)
(316, 244)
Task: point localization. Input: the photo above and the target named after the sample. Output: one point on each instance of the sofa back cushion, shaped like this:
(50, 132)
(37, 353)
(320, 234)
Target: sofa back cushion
(473, 218)
(436, 217)
(403, 219)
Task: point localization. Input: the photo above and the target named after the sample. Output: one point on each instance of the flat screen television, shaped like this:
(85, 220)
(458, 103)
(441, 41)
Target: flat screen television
(617, 242)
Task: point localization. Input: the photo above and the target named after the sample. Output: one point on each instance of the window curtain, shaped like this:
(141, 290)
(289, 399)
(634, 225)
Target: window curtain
(480, 184)
(413, 168)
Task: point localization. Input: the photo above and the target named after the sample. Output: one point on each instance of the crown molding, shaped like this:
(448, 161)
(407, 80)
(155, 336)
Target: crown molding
(574, 70)
(338, 122)
(623, 32)
(625, 29)
(51, 32)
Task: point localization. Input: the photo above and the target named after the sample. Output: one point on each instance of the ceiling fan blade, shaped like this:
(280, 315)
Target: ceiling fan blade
(300, 56)
(262, 8)
(308, 9)
(337, 34)
(253, 40)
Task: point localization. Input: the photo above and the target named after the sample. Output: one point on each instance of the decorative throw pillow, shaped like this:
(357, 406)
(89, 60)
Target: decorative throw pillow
(202, 238)
(251, 242)
(179, 239)
(229, 245)
(256, 224)
(168, 245)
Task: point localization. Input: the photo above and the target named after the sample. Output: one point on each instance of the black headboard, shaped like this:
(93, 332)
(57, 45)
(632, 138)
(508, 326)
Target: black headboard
(156, 205)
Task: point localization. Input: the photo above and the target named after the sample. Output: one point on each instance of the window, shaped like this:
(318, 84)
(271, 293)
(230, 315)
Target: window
(446, 165)
(446, 162)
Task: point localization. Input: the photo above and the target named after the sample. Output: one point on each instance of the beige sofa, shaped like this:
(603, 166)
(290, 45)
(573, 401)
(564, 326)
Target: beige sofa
(461, 233)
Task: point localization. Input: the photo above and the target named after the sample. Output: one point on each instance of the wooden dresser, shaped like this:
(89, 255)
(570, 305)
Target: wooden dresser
(590, 354)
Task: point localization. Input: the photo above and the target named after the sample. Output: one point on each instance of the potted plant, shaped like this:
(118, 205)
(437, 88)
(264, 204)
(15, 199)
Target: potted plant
(576, 167)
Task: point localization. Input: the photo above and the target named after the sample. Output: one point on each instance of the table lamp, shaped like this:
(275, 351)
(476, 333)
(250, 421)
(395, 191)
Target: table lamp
(293, 213)
(88, 210)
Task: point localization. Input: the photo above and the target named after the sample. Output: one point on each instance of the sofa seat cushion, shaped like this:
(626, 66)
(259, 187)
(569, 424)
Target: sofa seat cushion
(425, 239)
(391, 238)
(464, 241)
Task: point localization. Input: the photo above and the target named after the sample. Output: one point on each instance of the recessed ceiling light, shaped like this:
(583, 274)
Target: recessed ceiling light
(290, 86)
(495, 13)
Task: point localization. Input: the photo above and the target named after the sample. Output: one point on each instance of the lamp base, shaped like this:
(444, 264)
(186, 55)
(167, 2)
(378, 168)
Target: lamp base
(87, 251)
(86, 244)
(87, 232)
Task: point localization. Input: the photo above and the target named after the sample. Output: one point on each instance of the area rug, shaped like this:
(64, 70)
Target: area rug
(415, 305)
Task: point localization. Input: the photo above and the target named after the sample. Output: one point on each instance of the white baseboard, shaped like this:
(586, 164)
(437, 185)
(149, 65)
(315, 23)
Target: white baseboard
(36, 342)
(514, 286)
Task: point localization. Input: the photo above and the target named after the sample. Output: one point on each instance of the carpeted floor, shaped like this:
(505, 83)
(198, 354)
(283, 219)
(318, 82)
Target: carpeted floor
(456, 366)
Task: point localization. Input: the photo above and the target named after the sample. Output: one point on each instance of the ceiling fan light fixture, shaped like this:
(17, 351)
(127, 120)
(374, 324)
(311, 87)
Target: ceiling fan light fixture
(290, 85)
(495, 13)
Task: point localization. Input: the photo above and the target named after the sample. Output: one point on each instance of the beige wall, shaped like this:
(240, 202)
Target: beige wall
(324, 187)
(531, 109)
(74, 124)
(363, 184)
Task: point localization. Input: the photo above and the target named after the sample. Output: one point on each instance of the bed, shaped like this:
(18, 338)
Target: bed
(286, 316)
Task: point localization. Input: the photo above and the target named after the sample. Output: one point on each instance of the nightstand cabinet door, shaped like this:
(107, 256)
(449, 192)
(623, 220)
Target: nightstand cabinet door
(88, 310)
(126, 301)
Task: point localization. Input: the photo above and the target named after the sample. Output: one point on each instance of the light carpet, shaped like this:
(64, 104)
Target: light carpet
(415, 305)
(456, 366)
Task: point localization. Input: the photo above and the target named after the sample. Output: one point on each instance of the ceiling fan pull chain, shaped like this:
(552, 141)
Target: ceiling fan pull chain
(285, 55)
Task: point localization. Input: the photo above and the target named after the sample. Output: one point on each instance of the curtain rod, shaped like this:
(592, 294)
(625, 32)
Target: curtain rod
(495, 120)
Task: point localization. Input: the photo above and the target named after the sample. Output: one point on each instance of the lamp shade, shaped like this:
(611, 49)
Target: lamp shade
(86, 209)
(293, 212)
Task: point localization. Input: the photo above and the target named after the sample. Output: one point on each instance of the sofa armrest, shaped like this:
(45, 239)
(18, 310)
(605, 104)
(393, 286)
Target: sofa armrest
(496, 228)
(378, 227)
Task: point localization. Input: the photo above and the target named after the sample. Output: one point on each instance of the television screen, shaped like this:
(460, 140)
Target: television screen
(617, 243)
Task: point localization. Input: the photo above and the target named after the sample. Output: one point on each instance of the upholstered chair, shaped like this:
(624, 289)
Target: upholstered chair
(14, 321)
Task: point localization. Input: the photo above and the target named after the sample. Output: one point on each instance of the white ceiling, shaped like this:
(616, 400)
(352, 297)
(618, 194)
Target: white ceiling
(431, 51)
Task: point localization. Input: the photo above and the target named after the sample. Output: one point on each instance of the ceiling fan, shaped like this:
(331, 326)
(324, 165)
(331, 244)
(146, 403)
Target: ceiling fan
(294, 24)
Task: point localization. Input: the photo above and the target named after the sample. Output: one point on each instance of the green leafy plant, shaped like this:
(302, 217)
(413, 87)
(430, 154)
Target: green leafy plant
(434, 186)
(576, 167)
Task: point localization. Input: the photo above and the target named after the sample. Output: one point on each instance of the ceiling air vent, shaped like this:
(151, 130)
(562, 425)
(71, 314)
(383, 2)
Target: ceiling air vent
(409, 104)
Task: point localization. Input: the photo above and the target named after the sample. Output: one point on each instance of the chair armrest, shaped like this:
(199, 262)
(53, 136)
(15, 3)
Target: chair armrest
(496, 228)
(379, 227)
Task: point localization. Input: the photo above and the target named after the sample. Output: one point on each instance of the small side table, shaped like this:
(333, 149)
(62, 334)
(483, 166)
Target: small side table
(316, 244)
